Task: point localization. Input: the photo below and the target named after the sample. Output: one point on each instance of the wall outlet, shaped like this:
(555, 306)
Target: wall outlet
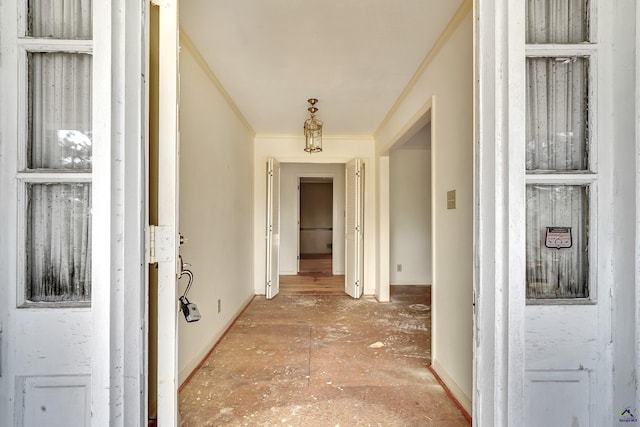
(219, 305)
(399, 268)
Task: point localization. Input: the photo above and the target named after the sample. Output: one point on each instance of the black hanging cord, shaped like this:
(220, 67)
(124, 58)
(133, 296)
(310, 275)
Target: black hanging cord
(189, 273)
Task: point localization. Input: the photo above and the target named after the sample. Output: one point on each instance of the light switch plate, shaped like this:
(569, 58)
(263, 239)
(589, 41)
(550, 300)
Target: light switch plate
(451, 199)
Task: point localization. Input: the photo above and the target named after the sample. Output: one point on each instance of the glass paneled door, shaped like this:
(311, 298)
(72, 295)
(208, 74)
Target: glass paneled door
(47, 212)
(566, 320)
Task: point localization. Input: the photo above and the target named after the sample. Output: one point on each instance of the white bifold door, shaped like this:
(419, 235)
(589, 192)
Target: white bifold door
(272, 282)
(354, 230)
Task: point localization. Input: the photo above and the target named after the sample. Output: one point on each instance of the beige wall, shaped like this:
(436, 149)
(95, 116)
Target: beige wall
(448, 78)
(316, 217)
(216, 209)
(410, 216)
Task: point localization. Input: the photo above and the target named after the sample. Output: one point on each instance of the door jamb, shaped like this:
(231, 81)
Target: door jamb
(498, 371)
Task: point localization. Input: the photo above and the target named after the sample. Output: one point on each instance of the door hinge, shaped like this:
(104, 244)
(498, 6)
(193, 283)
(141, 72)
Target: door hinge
(159, 244)
(150, 244)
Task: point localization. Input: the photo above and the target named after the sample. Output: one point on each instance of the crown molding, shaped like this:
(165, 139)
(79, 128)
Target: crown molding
(187, 43)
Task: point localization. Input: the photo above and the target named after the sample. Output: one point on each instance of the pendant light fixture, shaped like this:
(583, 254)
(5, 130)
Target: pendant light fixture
(313, 130)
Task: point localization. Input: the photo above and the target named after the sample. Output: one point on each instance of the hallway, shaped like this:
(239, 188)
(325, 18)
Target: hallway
(322, 361)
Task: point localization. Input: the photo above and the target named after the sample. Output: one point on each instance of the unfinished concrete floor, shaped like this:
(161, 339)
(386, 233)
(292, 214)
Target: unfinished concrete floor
(322, 361)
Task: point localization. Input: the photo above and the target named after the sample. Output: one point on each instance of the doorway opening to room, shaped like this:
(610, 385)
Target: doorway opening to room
(315, 221)
(410, 225)
(312, 227)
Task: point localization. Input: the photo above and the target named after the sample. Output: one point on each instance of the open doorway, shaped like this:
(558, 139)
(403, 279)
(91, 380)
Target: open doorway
(229, 243)
(315, 215)
(315, 236)
(312, 257)
(410, 204)
(410, 235)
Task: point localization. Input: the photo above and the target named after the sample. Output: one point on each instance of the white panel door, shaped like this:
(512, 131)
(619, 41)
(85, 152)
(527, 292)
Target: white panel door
(167, 240)
(45, 216)
(272, 281)
(354, 220)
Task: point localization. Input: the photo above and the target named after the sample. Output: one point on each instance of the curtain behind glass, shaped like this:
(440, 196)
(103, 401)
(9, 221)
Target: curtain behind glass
(60, 19)
(60, 111)
(557, 21)
(556, 119)
(557, 273)
(58, 242)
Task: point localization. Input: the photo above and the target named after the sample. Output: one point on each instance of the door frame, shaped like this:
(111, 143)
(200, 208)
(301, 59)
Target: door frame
(118, 308)
(418, 121)
(167, 241)
(499, 298)
(499, 326)
(499, 307)
(637, 189)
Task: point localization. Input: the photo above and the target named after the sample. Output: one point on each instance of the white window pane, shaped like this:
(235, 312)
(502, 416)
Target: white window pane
(557, 21)
(59, 111)
(552, 272)
(60, 19)
(556, 120)
(58, 249)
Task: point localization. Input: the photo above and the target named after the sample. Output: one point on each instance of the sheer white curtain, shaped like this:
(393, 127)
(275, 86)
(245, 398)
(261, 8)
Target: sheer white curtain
(557, 21)
(58, 248)
(557, 273)
(60, 91)
(556, 114)
(556, 142)
(60, 19)
(59, 236)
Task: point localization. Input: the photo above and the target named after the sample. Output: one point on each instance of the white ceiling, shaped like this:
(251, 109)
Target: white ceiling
(355, 56)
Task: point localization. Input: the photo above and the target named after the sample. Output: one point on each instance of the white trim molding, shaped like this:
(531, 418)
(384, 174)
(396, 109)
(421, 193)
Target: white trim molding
(637, 189)
(117, 380)
(499, 297)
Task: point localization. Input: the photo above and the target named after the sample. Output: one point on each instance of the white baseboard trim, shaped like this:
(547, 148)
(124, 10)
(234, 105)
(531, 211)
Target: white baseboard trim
(199, 358)
(456, 391)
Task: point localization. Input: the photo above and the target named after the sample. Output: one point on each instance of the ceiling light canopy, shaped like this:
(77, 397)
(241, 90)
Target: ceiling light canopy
(313, 130)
